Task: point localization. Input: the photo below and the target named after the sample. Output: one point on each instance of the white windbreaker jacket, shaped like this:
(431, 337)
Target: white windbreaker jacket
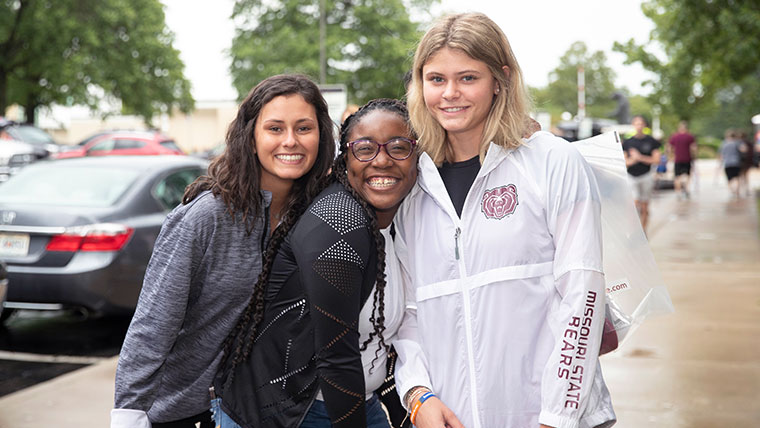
(505, 306)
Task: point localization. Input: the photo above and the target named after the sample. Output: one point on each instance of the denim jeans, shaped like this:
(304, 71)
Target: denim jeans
(221, 419)
(316, 417)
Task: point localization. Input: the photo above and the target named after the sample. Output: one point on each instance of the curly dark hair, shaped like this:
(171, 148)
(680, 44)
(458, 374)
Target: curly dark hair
(235, 175)
(245, 331)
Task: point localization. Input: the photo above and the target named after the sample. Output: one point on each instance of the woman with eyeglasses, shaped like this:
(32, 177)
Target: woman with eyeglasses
(311, 347)
(502, 241)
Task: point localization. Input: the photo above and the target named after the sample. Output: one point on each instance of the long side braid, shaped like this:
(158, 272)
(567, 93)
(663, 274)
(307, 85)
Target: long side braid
(378, 321)
(246, 328)
(339, 172)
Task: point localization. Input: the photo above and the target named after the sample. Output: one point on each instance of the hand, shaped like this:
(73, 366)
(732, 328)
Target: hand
(434, 414)
(634, 154)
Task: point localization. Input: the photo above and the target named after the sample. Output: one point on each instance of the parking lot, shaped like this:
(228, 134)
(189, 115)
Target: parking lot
(39, 346)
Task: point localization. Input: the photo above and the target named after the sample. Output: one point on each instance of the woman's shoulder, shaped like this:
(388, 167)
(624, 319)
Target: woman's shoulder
(338, 197)
(338, 208)
(203, 205)
(543, 144)
(205, 210)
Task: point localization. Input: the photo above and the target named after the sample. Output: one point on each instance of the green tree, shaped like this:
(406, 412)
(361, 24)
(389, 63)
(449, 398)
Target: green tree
(562, 91)
(710, 47)
(369, 43)
(87, 51)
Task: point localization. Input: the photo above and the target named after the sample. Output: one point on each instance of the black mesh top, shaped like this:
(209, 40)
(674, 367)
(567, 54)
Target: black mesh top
(309, 338)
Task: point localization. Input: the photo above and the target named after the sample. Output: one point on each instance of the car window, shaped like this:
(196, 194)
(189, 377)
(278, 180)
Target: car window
(170, 189)
(122, 143)
(67, 185)
(30, 134)
(105, 145)
(169, 144)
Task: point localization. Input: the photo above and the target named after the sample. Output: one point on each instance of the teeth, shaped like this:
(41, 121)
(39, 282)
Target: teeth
(382, 181)
(290, 158)
(453, 109)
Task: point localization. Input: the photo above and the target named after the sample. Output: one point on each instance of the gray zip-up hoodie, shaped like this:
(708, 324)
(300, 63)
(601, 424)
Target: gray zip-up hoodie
(197, 284)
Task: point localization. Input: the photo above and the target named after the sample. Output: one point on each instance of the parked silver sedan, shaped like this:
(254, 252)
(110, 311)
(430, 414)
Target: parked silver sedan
(79, 232)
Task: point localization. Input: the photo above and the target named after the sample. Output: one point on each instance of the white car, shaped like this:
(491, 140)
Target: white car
(14, 155)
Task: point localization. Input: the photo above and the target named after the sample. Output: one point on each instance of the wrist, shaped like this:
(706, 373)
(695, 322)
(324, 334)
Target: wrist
(417, 404)
(413, 394)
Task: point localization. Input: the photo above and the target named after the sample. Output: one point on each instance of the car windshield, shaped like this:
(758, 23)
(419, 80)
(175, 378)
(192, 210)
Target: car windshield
(31, 135)
(169, 144)
(61, 184)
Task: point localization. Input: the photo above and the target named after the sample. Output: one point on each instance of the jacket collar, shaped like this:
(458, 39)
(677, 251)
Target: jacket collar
(429, 179)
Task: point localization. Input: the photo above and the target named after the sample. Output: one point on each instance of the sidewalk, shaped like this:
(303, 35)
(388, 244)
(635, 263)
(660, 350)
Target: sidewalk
(699, 366)
(696, 368)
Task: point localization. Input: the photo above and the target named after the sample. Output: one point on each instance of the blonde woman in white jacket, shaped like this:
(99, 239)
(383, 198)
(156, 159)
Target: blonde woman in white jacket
(501, 244)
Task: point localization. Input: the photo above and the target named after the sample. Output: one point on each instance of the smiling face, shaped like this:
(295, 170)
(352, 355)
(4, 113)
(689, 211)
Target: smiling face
(383, 182)
(286, 138)
(458, 92)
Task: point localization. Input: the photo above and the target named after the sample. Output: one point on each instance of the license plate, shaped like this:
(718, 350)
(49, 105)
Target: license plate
(14, 244)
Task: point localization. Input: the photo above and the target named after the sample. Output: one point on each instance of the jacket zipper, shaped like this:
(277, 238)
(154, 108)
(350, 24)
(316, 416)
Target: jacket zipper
(456, 242)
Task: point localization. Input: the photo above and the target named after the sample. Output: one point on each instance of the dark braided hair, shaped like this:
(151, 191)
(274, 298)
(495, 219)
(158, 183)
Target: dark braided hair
(339, 172)
(235, 175)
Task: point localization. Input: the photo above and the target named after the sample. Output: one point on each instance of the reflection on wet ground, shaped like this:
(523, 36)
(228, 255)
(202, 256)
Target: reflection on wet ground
(37, 346)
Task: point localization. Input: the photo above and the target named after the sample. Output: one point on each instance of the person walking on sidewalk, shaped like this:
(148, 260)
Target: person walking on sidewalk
(641, 151)
(747, 149)
(731, 158)
(682, 148)
(208, 253)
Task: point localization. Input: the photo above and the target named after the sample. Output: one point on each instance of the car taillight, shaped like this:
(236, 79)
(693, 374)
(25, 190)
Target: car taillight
(94, 237)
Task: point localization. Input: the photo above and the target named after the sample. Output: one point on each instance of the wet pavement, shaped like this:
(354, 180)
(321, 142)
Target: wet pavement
(698, 367)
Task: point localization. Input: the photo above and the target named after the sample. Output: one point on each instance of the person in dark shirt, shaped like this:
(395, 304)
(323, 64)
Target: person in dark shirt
(683, 150)
(295, 357)
(641, 152)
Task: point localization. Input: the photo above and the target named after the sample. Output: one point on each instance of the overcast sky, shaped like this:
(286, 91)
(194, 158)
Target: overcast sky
(540, 32)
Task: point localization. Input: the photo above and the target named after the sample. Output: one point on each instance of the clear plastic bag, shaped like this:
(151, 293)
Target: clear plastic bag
(635, 290)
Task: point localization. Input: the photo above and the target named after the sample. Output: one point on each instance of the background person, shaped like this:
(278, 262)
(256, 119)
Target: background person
(501, 239)
(747, 149)
(641, 151)
(298, 357)
(209, 253)
(731, 158)
(682, 148)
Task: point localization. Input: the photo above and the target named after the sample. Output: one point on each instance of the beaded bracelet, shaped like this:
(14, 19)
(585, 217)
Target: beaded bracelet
(418, 404)
(411, 397)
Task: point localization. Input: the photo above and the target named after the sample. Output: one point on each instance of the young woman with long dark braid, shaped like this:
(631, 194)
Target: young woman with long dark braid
(208, 253)
(310, 348)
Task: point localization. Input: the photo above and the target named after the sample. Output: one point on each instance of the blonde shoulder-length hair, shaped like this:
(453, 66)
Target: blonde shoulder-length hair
(479, 37)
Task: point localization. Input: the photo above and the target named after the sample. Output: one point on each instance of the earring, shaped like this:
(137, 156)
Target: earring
(498, 89)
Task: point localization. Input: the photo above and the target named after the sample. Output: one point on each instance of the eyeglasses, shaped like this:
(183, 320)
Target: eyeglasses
(398, 148)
